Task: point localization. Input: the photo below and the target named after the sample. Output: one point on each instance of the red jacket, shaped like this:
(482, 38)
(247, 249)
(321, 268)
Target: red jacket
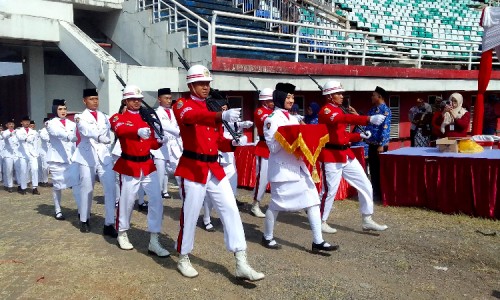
(336, 121)
(125, 127)
(200, 134)
(460, 126)
(259, 116)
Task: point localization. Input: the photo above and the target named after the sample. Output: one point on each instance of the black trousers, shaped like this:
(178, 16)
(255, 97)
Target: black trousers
(374, 165)
(412, 137)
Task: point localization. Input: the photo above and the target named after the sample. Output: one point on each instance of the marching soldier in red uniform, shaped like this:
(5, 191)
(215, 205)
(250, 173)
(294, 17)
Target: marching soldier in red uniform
(137, 169)
(339, 161)
(261, 150)
(201, 174)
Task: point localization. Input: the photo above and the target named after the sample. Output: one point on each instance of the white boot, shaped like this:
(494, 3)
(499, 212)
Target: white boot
(123, 241)
(243, 269)
(155, 246)
(184, 266)
(256, 211)
(369, 224)
(325, 228)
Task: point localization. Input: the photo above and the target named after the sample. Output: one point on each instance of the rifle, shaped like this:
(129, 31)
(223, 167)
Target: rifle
(254, 85)
(341, 107)
(148, 114)
(213, 101)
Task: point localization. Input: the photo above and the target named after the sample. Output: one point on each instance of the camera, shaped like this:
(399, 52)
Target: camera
(346, 103)
(444, 103)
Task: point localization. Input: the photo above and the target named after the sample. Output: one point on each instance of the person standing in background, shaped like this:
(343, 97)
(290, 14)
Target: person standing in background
(28, 156)
(379, 141)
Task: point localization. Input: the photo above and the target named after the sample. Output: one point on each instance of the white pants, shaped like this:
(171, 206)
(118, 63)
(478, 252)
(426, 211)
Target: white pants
(313, 215)
(232, 176)
(261, 181)
(87, 182)
(222, 198)
(8, 171)
(65, 175)
(355, 175)
(129, 188)
(21, 166)
(165, 168)
(1, 169)
(43, 169)
(32, 165)
(56, 196)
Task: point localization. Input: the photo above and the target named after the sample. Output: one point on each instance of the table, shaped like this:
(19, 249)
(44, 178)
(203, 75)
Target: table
(245, 166)
(444, 182)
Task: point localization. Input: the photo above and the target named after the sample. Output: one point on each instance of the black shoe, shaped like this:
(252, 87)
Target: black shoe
(142, 207)
(323, 247)
(84, 227)
(59, 216)
(268, 245)
(21, 191)
(48, 184)
(209, 227)
(35, 191)
(10, 190)
(110, 230)
(165, 195)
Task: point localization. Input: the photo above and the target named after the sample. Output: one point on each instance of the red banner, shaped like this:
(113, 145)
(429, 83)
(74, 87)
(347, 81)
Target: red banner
(305, 141)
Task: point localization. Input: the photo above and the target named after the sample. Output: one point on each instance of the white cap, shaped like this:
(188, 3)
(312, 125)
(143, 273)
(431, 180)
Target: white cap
(198, 73)
(266, 94)
(132, 91)
(332, 87)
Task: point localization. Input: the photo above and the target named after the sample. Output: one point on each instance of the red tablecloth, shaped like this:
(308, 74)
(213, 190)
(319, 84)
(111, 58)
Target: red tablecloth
(245, 166)
(445, 182)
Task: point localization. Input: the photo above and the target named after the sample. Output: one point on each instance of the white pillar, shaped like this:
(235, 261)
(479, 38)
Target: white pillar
(35, 74)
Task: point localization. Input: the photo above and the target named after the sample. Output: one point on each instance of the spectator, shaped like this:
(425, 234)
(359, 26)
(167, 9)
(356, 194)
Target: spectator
(379, 141)
(295, 113)
(312, 113)
(490, 116)
(437, 109)
(454, 120)
(420, 117)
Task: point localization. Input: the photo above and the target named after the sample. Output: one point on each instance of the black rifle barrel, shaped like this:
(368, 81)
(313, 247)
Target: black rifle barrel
(148, 114)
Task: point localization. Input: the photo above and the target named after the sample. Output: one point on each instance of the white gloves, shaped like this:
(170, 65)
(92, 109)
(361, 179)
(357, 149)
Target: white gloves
(366, 135)
(162, 140)
(103, 139)
(144, 132)
(245, 124)
(231, 115)
(243, 140)
(377, 119)
(72, 138)
(172, 130)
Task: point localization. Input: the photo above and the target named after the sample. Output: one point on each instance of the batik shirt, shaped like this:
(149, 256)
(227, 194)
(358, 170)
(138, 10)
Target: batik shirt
(380, 133)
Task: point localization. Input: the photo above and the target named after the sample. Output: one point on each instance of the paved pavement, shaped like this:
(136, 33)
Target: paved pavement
(42, 258)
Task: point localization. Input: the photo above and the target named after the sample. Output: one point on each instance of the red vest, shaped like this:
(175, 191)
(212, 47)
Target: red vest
(125, 127)
(200, 134)
(259, 116)
(336, 121)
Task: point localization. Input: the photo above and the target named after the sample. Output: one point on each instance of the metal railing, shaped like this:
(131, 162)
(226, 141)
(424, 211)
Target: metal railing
(346, 46)
(327, 44)
(179, 18)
